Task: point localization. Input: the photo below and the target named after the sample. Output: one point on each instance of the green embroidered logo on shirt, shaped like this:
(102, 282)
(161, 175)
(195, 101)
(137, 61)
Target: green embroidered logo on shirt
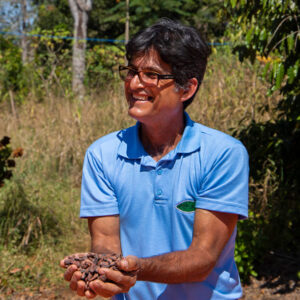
(186, 206)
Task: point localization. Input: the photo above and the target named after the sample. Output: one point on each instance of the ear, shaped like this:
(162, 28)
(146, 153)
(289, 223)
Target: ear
(190, 89)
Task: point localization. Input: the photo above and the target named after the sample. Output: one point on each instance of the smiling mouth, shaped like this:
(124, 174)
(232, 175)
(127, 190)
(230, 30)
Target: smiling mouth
(142, 99)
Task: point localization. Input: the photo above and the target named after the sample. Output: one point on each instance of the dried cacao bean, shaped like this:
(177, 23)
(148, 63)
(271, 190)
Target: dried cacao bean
(89, 265)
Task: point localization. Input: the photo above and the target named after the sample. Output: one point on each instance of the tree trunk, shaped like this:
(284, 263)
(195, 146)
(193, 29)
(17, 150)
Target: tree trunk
(127, 23)
(126, 28)
(24, 42)
(79, 9)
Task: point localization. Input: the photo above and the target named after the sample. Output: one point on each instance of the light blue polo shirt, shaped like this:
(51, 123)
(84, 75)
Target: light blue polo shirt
(156, 201)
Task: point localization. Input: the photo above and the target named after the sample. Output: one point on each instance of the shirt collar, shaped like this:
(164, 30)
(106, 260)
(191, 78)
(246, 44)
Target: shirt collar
(190, 140)
(132, 148)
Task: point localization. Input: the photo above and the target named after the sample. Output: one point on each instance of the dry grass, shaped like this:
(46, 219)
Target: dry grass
(58, 131)
(55, 134)
(231, 95)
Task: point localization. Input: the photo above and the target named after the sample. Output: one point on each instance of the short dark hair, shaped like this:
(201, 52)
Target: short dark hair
(180, 46)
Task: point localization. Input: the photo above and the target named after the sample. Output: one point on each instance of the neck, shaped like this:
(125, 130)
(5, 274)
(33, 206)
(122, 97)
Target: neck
(159, 139)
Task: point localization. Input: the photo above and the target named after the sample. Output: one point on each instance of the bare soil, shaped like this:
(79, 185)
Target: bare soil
(273, 289)
(278, 279)
(256, 290)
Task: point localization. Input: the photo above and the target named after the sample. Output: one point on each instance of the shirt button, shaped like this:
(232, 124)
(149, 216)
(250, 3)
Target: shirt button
(159, 192)
(159, 172)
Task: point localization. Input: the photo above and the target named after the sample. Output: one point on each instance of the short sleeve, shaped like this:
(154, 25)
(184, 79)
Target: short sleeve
(97, 194)
(224, 187)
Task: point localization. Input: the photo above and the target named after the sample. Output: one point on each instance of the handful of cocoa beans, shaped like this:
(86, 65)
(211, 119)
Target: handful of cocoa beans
(89, 265)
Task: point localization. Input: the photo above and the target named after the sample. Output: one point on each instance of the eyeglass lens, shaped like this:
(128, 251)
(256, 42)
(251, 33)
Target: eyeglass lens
(144, 76)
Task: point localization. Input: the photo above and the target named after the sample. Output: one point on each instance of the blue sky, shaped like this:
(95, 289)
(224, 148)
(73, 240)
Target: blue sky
(10, 15)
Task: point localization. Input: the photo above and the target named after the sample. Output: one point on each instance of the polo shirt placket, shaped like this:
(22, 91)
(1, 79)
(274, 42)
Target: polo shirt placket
(161, 183)
(160, 195)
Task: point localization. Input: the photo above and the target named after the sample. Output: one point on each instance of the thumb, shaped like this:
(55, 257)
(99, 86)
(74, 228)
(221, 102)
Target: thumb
(129, 263)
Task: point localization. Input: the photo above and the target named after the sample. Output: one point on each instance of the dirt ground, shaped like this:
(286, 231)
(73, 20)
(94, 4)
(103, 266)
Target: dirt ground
(256, 290)
(272, 289)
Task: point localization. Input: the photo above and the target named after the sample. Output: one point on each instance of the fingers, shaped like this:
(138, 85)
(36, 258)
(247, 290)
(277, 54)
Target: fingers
(90, 294)
(80, 288)
(76, 284)
(62, 263)
(106, 289)
(74, 280)
(69, 272)
(125, 281)
(121, 283)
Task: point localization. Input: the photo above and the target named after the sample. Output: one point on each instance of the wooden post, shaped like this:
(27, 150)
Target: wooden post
(13, 107)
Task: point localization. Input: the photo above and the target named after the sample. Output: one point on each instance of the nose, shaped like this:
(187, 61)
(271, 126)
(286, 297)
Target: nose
(135, 82)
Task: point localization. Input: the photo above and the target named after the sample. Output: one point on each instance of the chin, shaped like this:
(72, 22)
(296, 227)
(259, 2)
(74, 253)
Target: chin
(135, 113)
(138, 114)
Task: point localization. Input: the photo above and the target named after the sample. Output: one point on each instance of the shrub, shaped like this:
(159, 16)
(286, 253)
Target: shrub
(7, 163)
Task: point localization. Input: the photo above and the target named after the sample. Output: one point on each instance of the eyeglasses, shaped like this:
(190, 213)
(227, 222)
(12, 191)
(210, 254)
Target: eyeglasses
(145, 76)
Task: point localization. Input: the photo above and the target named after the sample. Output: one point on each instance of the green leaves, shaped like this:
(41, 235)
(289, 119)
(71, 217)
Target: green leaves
(10, 66)
(249, 36)
(265, 70)
(233, 3)
(102, 62)
(292, 73)
(269, 30)
(263, 35)
(279, 74)
(290, 42)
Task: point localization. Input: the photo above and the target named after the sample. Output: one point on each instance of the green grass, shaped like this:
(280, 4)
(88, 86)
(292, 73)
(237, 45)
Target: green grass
(39, 206)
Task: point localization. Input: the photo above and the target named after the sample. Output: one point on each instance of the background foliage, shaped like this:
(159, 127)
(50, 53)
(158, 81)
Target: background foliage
(107, 18)
(270, 30)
